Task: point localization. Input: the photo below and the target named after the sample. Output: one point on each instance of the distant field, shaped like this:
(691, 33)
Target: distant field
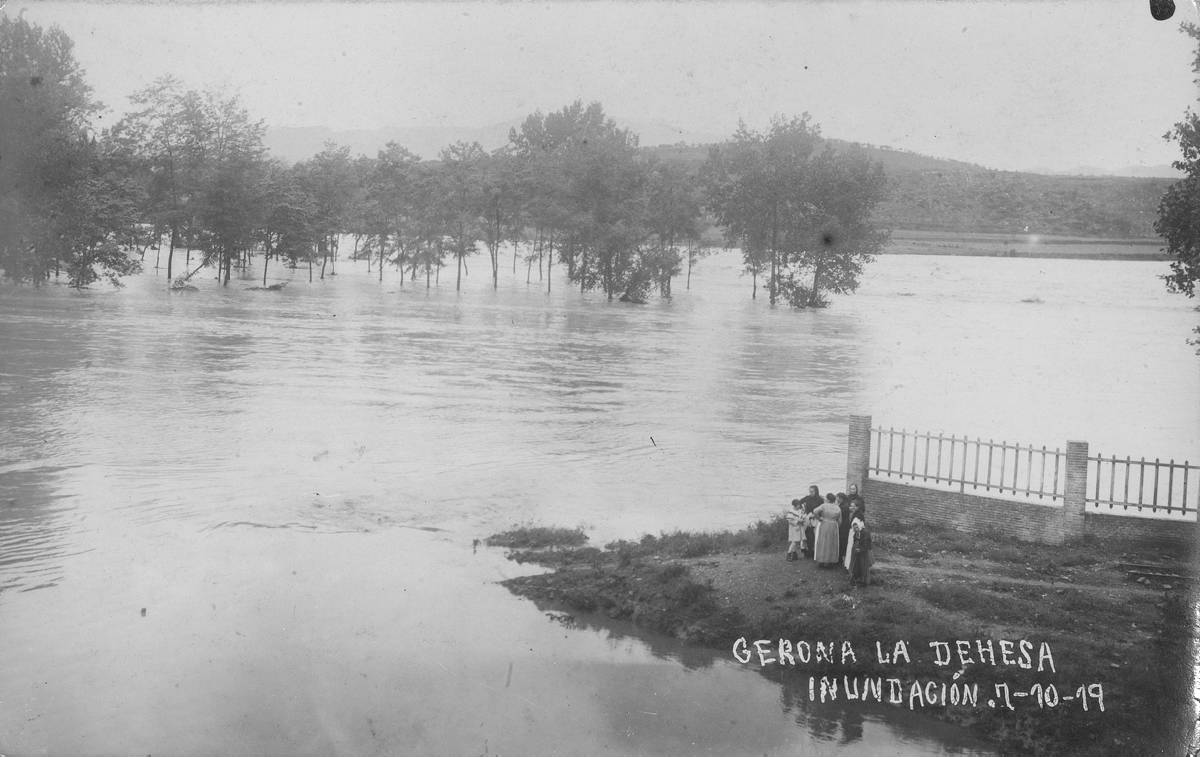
(1022, 246)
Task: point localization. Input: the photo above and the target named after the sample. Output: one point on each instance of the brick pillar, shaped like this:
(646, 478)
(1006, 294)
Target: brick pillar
(1075, 490)
(858, 452)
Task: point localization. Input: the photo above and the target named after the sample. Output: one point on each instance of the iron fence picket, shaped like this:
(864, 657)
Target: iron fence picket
(921, 462)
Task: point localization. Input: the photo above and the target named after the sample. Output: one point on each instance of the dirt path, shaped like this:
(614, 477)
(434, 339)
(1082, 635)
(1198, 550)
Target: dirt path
(758, 582)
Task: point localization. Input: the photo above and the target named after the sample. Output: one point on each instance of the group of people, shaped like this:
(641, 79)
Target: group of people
(832, 530)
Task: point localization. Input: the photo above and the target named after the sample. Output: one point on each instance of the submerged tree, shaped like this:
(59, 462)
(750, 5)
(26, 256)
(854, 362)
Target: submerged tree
(389, 206)
(460, 190)
(154, 142)
(232, 192)
(800, 210)
(585, 183)
(65, 200)
(673, 217)
(332, 181)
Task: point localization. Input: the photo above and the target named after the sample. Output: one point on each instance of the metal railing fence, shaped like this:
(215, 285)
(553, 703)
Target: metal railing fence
(970, 464)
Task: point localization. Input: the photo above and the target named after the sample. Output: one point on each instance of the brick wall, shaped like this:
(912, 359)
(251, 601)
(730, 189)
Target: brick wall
(893, 504)
(1142, 531)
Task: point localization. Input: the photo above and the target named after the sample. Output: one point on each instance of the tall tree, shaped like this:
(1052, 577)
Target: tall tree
(289, 221)
(833, 237)
(586, 194)
(64, 199)
(389, 206)
(1179, 211)
(673, 216)
(462, 193)
(232, 185)
(333, 183)
(752, 182)
(501, 188)
(801, 213)
(153, 139)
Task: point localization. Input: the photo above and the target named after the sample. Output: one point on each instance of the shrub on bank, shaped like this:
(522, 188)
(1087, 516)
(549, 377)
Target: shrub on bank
(537, 537)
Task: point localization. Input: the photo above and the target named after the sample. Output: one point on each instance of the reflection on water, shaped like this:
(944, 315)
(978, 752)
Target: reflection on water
(256, 468)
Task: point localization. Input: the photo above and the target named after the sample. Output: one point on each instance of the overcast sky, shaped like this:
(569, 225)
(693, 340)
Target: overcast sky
(1013, 85)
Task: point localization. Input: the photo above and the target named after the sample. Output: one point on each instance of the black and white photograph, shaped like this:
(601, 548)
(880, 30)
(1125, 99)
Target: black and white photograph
(596, 377)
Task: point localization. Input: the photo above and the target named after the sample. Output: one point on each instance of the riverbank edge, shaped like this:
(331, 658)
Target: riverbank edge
(701, 588)
(1023, 245)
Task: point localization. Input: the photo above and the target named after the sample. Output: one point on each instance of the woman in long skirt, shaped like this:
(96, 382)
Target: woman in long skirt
(843, 504)
(860, 550)
(826, 550)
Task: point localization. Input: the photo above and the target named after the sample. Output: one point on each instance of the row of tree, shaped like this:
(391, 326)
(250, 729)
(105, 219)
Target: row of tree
(187, 171)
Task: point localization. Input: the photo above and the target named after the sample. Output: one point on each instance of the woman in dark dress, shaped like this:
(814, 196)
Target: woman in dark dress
(843, 503)
(860, 549)
(810, 503)
(854, 497)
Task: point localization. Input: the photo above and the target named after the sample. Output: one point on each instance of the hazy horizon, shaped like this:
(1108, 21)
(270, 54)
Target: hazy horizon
(1049, 87)
(296, 143)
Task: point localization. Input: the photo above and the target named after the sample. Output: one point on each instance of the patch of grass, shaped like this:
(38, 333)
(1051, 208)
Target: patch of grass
(559, 557)
(537, 537)
(668, 573)
(961, 543)
(1007, 553)
(763, 535)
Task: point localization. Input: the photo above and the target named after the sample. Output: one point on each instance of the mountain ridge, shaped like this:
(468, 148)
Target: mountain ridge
(297, 143)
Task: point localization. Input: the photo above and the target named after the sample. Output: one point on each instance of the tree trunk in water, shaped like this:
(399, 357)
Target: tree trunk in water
(774, 254)
(266, 260)
(549, 262)
(774, 277)
(754, 292)
(310, 257)
(170, 256)
(609, 284)
(381, 265)
(458, 281)
(689, 276)
(496, 253)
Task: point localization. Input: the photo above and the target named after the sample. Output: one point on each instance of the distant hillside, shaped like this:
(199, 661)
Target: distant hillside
(928, 193)
(296, 143)
(1007, 202)
(936, 194)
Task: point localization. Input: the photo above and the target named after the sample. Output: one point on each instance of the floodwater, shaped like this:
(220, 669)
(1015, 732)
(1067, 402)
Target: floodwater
(238, 521)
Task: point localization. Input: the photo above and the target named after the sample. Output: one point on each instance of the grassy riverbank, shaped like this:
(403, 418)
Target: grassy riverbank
(1101, 626)
(992, 245)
